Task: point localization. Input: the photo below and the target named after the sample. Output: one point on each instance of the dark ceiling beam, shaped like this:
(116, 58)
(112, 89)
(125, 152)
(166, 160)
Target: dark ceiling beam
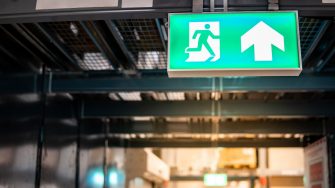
(19, 84)
(115, 109)
(101, 44)
(90, 83)
(60, 128)
(105, 84)
(52, 37)
(306, 127)
(118, 39)
(108, 108)
(191, 143)
(98, 142)
(25, 11)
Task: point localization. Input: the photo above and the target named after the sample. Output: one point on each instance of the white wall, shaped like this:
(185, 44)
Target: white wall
(191, 161)
(286, 159)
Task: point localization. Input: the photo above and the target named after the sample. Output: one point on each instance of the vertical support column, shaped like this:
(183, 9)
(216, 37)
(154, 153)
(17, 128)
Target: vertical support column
(40, 141)
(331, 159)
(79, 112)
(262, 163)
(215, 131)
(105, 162)
(252, 182)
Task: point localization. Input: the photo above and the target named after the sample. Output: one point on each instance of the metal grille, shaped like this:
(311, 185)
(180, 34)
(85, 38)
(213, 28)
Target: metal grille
(80, 45)
(130, 96)
(143, 40)
(176, 96)
(309, 29)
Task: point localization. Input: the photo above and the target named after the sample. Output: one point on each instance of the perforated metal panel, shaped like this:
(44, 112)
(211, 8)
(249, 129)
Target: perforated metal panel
(80, 45)
(142, 38)
(309, 29)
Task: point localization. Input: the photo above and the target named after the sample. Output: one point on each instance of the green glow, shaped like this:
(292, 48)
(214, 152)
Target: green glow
(232, 27)
(215, 179)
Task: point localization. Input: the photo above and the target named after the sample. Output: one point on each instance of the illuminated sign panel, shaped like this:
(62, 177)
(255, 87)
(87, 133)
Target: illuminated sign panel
(234, 44)
(214, 180)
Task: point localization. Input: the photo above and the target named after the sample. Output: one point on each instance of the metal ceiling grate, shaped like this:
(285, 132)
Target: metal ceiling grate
(130, 96)
(142, 37)
(80, 45)
(309, 30)
(143, 40)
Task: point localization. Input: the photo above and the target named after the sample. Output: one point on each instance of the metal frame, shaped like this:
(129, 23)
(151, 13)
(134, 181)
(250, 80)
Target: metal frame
(190, 143)
(25, 11)
(292, 126)
(112, 28)
(102, 83)
(55, 41)
(121, 109)
(105, 108)
(97, 127)
(89, 143)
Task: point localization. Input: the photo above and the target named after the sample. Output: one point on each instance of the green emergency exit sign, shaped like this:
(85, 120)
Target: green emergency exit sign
(215, 180)
(234, 44)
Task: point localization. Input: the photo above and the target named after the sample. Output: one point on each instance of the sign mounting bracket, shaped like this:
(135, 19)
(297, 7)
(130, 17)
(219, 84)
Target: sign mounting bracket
(198, 6)
(273, 5)
(225, 5)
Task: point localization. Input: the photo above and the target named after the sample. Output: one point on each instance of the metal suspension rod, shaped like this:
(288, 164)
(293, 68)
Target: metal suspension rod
(225, 5)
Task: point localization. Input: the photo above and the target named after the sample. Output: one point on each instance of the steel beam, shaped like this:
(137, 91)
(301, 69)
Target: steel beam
(65, 128)
(58, 44)
(17, 84)
(61, 128)
(25, 11)
(88, 143)
(306, 127)
(87, 83)
(99, 41)
(117, 36)
(100, 84)
(115, 109)
(105, 108)
(191, 143)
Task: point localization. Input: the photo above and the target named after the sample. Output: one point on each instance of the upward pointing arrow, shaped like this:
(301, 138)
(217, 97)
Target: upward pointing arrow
(262, 37)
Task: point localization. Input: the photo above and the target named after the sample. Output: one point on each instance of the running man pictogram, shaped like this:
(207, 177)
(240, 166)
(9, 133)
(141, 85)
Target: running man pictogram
(203, 41)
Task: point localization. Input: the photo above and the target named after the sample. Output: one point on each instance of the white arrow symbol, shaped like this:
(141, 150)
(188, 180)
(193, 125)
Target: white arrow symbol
(262, 37)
